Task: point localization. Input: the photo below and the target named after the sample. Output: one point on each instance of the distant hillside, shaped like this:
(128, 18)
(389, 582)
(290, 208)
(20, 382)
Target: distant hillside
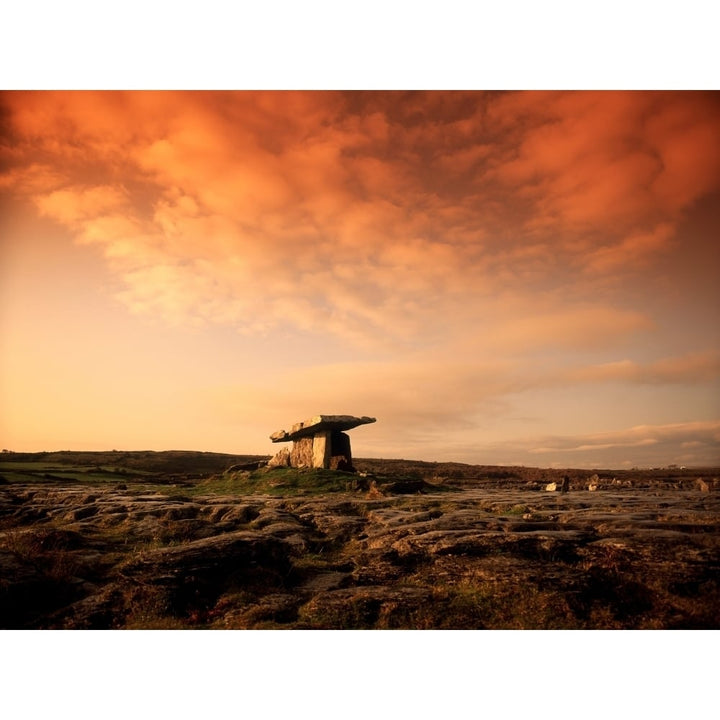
(462, 474)
(188, 464)
(148, 461)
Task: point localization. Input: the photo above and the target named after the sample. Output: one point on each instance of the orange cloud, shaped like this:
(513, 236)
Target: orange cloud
(690, 369)
(72, 206)
(642, 435)
(631, 251)
(578, 327)
(379, 217)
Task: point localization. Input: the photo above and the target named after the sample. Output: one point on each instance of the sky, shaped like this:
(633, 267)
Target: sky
(521, 278)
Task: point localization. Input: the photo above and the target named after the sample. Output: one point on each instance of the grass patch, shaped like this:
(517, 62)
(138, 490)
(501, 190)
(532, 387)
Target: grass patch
(516, 510)
(171, 461)
(276, 482)
(42, 472)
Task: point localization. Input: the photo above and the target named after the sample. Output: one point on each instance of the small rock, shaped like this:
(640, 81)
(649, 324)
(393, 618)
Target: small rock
(326, 581)
(243, 467)
(373, 491)
(551, 487)
(701, 485)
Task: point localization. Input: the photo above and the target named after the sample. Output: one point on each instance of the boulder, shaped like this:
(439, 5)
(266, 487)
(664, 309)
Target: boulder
(196, 573)
(281, 459)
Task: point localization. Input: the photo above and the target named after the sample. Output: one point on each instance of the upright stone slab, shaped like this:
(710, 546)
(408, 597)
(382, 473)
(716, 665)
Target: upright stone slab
(301, 454)
(320, 441)
(322, 445)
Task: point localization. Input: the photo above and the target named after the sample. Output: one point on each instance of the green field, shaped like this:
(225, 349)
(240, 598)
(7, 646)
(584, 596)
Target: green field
(116, 466)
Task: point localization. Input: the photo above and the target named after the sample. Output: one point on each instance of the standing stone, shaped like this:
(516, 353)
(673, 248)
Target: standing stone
(565, 484)
(301, 454)
(281, 459)
(322, 446)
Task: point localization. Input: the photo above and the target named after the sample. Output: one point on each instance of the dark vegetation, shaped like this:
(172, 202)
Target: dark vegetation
(203, 540)
(164, 467)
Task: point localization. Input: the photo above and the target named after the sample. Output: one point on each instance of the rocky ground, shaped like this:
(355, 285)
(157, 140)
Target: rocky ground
(384, 552)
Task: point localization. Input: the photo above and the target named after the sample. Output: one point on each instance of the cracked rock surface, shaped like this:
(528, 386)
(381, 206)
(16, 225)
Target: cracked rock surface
(475, 557)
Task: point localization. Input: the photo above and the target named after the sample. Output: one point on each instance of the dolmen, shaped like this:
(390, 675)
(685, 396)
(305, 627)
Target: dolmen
(318, 443)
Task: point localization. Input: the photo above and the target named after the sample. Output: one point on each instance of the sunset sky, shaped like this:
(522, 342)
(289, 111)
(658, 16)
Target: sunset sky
(500, 278)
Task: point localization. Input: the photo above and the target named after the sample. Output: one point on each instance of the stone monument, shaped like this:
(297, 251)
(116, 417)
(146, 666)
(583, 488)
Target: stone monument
(318, 443)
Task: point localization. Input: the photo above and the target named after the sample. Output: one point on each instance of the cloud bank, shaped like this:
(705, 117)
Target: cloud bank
(372, 216)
